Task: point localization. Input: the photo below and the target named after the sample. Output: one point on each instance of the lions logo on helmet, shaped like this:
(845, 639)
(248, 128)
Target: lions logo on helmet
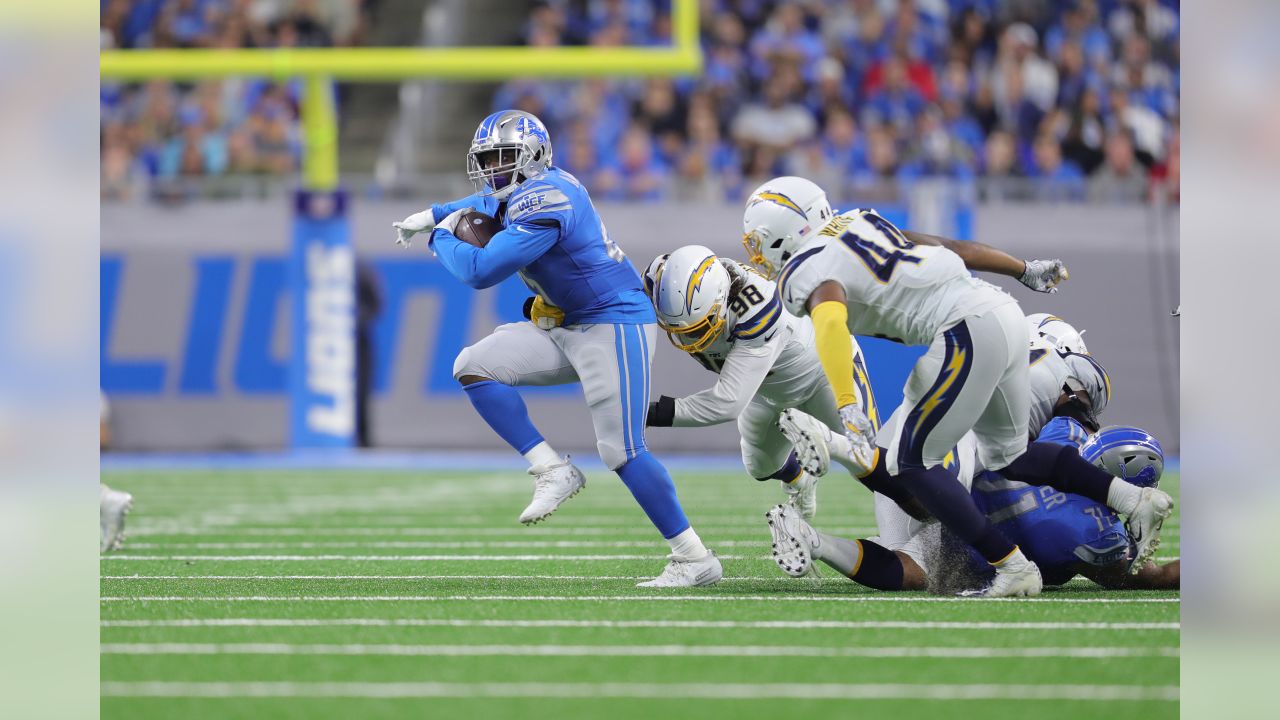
(509, 147)
(689, 289)
(1057, 331)
(781, 216)
(1128, 453)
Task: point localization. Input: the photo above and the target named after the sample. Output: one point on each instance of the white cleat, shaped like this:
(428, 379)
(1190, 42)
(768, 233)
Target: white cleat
(113, 505)
(803, 495)
(552, 485)
(686, 572)
(810, 439)
(794, 541)
(1144, 524)
(1016, 576)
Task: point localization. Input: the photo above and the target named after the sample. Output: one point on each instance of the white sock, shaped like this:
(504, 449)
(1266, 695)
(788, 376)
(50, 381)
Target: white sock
(542, 455)
(1123, 497)
(687, 545)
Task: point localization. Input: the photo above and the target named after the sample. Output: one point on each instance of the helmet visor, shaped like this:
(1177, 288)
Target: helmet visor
(493, 167)
(696, 337)
(754, 243)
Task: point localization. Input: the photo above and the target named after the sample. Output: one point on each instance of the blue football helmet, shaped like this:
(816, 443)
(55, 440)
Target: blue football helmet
(1128, 453)
(509, 147)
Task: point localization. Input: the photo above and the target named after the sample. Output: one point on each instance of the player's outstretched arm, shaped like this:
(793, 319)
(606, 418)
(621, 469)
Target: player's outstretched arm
(508, 251)
(1151, 577)
(1039, 275)
(743, 373)
(826, 305)
(425, 221)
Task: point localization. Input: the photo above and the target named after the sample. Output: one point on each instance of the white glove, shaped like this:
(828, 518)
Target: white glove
(450, 222)
(1044, 275)
(418, 222)
(861, 434)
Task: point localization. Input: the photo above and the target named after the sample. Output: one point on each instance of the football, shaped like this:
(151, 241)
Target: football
(476, 228)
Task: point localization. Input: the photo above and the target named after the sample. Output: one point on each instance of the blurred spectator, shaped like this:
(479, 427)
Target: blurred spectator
(165, 134)
(1121, 178)
(1062, 180)
(637, 174)
(765, 131)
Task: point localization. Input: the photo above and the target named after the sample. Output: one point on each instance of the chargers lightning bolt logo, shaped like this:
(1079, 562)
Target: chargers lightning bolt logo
(778, 198)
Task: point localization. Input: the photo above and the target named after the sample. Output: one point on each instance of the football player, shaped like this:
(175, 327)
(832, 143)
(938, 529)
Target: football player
(728, 317)
(113, 506)
(857, 273)
(1063, 534)
(591, 323)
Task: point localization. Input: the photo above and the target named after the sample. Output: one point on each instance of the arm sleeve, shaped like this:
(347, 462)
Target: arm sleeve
(484, 203)
(508, 251)
(743, 372)
(835, 349)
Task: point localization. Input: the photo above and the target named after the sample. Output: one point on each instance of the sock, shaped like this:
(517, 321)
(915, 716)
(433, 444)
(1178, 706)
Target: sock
(862, 561)
(652, 487)
(947, 500)
(790, 472)
(1123, 497)
(542, 455)
(1062, 467)
(880, 481)
(687, 545)
(503, 408)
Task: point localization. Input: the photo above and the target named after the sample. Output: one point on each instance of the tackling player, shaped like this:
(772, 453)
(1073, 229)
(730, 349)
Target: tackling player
(728, 317)
(1065, 535)
(857, 273)
(591, 324)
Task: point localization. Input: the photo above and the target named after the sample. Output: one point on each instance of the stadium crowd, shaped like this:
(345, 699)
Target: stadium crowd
(156, 134)
(1032, 98)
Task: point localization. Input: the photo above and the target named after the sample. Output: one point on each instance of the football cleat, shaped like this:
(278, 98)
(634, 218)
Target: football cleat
(1143, 525)
(113, 505)
(688, 572)
(803, 495)
(810, 438)
(552, 485)
(794, 541)
(1016, 576)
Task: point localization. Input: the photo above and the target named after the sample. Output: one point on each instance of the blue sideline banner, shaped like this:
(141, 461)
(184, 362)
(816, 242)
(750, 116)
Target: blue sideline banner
(322, 374)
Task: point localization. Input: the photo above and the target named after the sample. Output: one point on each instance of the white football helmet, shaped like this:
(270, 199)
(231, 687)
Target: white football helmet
(782, 215)
(689, 289)
(1057, 331)
(1088, 376)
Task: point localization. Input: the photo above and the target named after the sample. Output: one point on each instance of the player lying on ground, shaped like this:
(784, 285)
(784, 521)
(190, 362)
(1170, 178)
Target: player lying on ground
(857, 273)
(591, 323)
(728, 317)
(1064, 535)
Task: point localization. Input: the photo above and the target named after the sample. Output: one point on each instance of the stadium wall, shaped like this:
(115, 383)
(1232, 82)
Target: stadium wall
(195, 321)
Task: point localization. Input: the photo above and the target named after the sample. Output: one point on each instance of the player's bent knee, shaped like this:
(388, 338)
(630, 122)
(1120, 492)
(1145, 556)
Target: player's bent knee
(467, 371)
(612, 455)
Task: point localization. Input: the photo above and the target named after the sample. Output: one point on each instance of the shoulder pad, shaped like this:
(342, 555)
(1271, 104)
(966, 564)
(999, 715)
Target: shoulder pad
(763, 320)
(539, 200)
(798, 280)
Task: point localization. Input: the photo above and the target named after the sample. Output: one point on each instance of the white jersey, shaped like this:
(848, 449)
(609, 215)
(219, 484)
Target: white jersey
(762, 350)
(895, 289)
(1048, 373)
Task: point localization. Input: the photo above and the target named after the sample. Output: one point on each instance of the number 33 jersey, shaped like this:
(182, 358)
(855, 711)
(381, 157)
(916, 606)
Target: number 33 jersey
(894, 288)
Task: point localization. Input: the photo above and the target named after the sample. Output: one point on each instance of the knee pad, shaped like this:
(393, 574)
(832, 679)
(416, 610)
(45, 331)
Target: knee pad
(466, 364)
(612, 454)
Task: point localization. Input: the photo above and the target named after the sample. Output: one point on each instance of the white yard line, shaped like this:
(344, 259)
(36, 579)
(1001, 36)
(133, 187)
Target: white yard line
(429, 544)
(393, 558)
(644, 691)
(622, 598)
(549, 531)
(754, 578)
(683, 624)
(955, 653)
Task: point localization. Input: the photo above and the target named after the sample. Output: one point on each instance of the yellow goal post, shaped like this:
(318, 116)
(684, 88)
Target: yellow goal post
(320, 66)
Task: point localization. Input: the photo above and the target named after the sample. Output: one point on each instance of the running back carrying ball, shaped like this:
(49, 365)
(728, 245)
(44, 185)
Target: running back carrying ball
(476, 228)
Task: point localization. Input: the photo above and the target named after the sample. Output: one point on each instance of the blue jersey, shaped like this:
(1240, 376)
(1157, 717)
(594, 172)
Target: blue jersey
(556, 242)
(1055, 530)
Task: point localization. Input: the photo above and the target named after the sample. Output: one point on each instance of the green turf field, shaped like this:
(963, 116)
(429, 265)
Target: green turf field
(409, 594)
